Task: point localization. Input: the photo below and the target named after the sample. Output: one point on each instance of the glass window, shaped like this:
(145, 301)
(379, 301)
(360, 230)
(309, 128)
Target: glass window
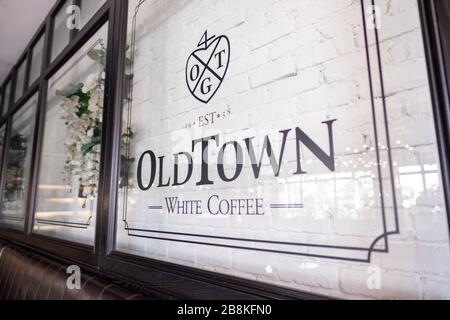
(6, 98)
(2, 144)
(268, 147)
(36, 60)
(61, 33)
(17, 168)
(20, 80)
(70, 159)
(88, 9)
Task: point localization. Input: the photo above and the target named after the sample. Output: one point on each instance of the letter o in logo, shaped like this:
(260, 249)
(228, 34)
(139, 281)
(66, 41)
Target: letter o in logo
(152, 172)
(195, 68)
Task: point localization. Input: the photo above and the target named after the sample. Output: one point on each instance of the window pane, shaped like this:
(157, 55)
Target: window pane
(266, 147)
(18, 166)
(6, 98)
(2, 144)
(70, 159)
(61, 34)
(20, 80)
(88, 9)
(36, 60)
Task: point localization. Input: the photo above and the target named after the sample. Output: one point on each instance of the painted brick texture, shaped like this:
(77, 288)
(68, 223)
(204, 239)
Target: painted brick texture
(296, 63)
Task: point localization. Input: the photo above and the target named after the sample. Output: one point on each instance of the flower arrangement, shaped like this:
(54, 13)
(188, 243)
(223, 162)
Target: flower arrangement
(82, 114)
(14, 184)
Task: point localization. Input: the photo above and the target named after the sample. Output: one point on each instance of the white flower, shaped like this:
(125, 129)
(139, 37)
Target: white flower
(97, 148)
(90, 84)
(84, 168)
(72, 102)
(93, 108)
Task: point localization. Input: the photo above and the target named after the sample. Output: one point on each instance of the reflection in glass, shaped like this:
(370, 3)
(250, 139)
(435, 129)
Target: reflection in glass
(70, 159)
(2, 144)
(20, 82)
(18, 166)
(6, 99)
(36, 60)
(88, 9)
(383, 194)
(61, 34)
(420, 185)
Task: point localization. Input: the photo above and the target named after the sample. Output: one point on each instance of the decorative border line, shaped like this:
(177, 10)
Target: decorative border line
(287, 206)
(68, 224)
(76, 225)
(11, 217)
(384, 236)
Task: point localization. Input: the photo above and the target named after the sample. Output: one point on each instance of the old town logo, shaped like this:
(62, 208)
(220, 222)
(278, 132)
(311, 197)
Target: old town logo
(207, 66)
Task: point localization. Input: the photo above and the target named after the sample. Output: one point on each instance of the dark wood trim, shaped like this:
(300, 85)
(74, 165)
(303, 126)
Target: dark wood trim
(74, 32)
(6, 102)
(22, 60)
(2, 177)
(169, 284)
(1, 98)
(26, 95)
(171, 279)
(26, 80)
(443, 16)
(111, 134)
(39, 135)
(10, 116)
(84, 35)
(82, 254)
(438, 78)
(179, 280)
(168, 279)
(37, 38)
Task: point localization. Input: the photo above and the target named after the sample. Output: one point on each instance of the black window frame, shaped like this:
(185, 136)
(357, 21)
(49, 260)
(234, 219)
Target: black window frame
(22, 60)
(84, 255)
(9, 125)
(36, 38)
(6, 106)
(434, 30)
(163, 279)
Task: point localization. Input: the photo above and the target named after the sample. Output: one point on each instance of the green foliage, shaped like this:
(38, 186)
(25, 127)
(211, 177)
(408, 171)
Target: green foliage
(70, 90)
(98, 55)
(15, 170)
(81, 108)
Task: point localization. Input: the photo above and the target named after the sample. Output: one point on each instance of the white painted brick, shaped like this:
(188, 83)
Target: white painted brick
(183, 252)
(263, 265)
(436, 289)
(343, 67)
(235, 85)
(297, 63)
(393, 285)
(219, 257)
(417, 258)
(308, 79)
(274, 71)
(309, 272)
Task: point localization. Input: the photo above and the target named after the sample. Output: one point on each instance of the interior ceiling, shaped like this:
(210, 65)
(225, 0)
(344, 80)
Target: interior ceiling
(19, 20)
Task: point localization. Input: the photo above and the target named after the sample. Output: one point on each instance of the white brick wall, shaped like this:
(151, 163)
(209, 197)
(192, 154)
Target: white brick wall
(297, 63)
